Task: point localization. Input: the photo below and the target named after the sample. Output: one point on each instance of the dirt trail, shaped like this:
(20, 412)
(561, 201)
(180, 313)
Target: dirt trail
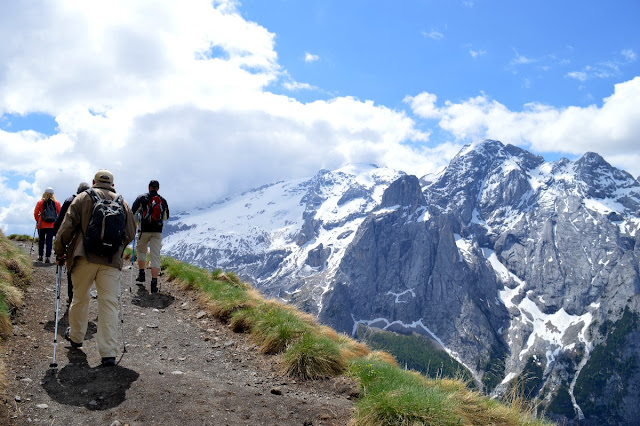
(181, 367)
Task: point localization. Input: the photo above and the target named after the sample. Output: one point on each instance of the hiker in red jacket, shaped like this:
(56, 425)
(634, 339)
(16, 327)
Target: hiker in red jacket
(46, 213)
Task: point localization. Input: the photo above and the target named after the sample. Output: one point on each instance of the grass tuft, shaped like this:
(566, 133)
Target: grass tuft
(275, 326)
(313, 356)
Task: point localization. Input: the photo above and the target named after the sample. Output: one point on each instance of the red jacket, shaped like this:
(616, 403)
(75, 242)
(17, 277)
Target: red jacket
(37, 212)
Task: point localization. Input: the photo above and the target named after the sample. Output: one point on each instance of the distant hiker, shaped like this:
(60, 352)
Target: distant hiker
(97, 227)
(154, 210)
(56, 226)
(46, 213)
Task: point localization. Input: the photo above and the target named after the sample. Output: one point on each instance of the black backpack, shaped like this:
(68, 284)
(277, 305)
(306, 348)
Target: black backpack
(49, 213)
(106, 228)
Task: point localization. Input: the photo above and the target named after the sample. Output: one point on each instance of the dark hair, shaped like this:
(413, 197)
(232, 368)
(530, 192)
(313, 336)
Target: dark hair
(82, 187)
(154, 184)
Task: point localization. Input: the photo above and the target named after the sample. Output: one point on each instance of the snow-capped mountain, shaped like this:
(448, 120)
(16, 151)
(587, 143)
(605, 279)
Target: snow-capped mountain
(510, 263)
(286, 238)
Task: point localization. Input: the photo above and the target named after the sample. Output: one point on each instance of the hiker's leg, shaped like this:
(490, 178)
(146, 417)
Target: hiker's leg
(141, 250)
(49, 237)
(155, 244)
(41, 238)
(83, 275)
(107, 286)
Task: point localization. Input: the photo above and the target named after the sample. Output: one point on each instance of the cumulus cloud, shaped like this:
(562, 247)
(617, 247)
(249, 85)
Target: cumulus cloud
(174, 91)
(608, 129)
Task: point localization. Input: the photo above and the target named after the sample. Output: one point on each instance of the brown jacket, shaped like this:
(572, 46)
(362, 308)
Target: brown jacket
(69, 237)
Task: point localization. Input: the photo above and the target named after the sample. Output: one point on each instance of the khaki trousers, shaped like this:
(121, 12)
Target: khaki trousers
(154, 241)
(106, 278)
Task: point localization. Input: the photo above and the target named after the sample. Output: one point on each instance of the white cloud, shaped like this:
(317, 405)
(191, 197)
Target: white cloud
(475, 53)
(174, 91)
(578, 75)
(608, 130)
(605, 69)
(521, 60)
(433, 34)
(629, 55)
(309, 57)
(294, 86)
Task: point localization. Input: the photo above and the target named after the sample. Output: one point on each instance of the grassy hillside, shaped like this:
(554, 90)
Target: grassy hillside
(416, 352)
(15, 273)
(390, 395)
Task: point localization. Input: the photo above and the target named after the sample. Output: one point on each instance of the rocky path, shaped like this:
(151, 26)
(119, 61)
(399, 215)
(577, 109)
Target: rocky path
(181, 367)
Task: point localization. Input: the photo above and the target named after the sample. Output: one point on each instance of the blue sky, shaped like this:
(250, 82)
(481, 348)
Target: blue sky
(515, 52)
(215, 97)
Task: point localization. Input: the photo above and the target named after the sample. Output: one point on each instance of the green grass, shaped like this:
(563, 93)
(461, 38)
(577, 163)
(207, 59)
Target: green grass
(21, 237)
(314, 356)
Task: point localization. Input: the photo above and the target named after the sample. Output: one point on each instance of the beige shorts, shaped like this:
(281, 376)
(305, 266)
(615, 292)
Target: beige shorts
(154, 241)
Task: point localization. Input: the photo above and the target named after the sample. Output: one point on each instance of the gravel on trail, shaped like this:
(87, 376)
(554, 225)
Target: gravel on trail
(181, 367)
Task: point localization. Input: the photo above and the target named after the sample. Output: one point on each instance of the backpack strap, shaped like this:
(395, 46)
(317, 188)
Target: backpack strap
(93, 194)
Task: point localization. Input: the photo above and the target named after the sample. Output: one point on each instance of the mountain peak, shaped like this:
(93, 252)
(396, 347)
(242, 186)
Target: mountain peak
(487, 146)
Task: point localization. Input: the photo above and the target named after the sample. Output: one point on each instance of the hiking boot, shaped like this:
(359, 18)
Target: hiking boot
(154, 285)
(74, 345)
(39, 258)
(47, 260)
(141, 276)
(109, 361)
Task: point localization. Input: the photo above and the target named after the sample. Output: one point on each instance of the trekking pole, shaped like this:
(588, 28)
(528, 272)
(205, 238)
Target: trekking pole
(33, 239)
(54, 365)
(124, 342)
(133, 252)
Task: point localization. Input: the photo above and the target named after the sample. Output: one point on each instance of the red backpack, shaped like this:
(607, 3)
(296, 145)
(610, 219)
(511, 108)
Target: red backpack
(154, 210)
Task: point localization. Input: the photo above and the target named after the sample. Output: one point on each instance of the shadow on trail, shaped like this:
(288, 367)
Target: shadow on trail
(144, 299)
(97, 388)
(63, 323)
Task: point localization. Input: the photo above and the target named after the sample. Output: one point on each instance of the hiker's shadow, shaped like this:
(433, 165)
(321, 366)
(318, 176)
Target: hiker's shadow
(97, 388)
(144, 299)
(63, 323)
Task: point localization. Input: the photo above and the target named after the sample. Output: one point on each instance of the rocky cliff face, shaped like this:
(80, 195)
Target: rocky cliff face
(511, 264)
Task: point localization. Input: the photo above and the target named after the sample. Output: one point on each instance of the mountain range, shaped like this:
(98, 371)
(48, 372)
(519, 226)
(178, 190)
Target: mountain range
(522, 270)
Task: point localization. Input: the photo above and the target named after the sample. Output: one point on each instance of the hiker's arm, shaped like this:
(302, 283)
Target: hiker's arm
(71, 222)
(130, 227)
(137, 204)
(61, 214)
(37, 211)
(166, 209)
